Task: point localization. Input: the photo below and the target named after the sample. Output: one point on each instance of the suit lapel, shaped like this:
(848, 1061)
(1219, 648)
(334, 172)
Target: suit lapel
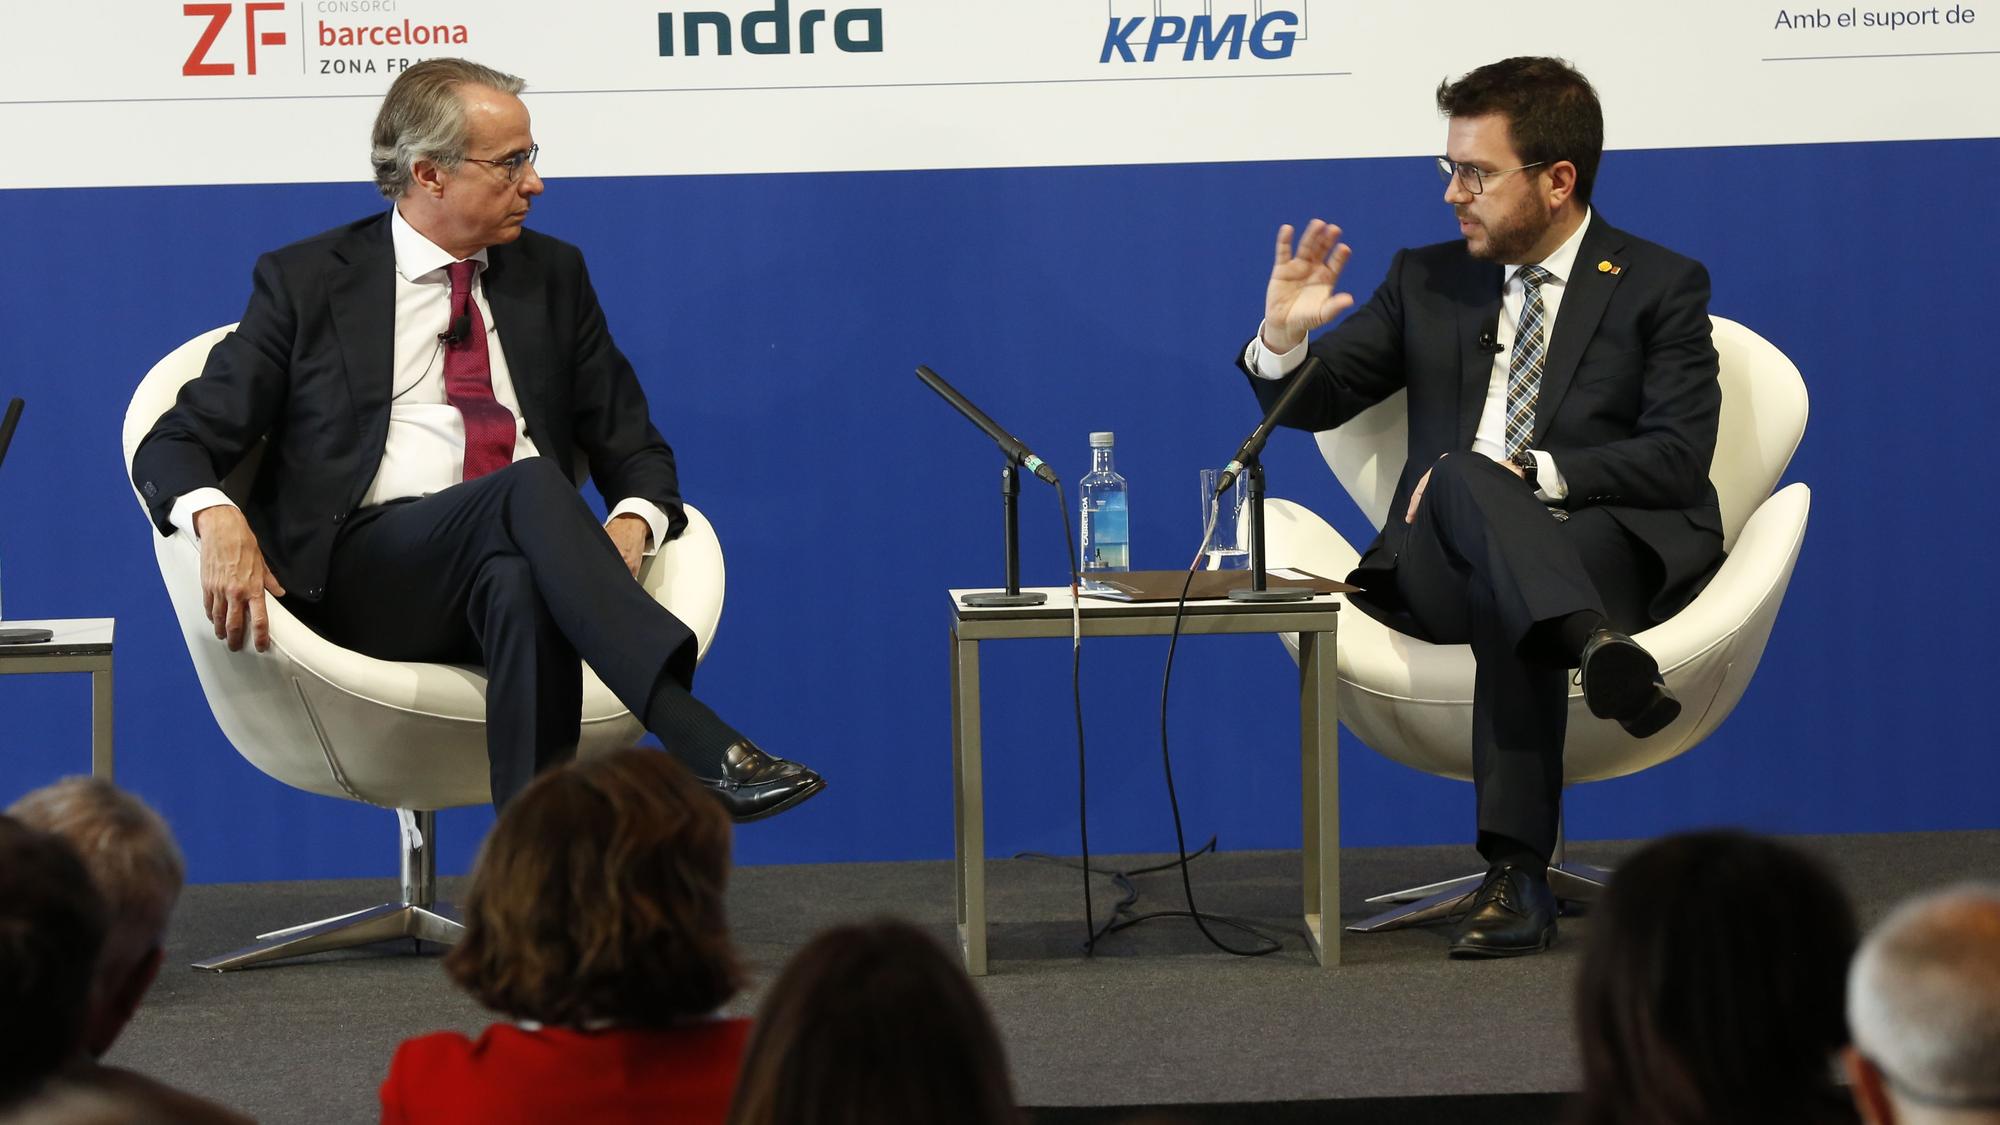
(518, 299)
(362, 291)
(1593, 278)
(1478, 315)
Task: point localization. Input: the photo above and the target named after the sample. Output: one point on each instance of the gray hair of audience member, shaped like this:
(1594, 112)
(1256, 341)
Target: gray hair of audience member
(1923, 998)
(51, 926)
(423, 118)
(137, 868)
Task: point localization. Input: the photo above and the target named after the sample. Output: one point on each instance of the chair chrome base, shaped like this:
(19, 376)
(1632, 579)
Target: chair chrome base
(1571, 882)
(419, 915)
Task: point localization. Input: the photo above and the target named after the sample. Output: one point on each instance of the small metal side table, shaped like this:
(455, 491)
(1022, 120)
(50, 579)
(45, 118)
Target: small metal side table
(81, 644)
(1314, 621)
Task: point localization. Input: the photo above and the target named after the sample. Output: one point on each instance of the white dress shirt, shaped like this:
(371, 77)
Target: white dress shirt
(425, 452)
(1490, 438)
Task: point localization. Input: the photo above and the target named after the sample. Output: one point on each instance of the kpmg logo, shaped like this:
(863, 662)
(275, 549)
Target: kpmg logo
(1154, 38)
(770, 31)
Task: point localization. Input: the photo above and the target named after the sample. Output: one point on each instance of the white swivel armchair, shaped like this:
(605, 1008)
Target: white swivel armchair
(405, 736)
(1412, 701)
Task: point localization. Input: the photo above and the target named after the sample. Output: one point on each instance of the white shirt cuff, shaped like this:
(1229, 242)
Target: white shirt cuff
(1549, 483)
(189, 504)
(656, 520)
(1264, 365)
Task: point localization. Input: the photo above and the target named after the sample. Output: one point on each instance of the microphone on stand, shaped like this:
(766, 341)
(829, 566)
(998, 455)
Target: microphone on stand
(1254, 444)
(1009, 444)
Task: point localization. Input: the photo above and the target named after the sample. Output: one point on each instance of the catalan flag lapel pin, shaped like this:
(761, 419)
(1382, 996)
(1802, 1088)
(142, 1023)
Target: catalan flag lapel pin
(1610, 267)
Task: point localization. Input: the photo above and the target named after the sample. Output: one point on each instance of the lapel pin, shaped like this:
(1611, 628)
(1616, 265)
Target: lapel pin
(1605, 266)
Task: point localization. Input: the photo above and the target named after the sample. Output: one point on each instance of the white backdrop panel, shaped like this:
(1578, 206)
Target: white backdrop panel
(131, 92)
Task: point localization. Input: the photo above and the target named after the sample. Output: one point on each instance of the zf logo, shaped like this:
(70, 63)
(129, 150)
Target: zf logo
(1271, 37)
(770, 32)
(198, 63)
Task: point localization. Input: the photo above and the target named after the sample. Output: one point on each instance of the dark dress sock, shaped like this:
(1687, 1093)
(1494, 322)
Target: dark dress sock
(688, 728)
(1497, 849)
(1573, 632)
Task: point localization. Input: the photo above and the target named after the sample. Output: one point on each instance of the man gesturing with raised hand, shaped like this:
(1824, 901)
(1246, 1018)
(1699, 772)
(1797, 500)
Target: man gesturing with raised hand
(1562, 415)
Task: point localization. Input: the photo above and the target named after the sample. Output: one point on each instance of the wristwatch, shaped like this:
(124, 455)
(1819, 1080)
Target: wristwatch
(1525, 461)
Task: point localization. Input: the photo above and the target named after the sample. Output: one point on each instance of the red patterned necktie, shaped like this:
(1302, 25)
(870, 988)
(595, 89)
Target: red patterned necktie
(468, 383)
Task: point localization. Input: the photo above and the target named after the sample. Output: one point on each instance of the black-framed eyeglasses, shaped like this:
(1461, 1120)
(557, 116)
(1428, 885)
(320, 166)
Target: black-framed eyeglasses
(512, 165)
(1474, 179)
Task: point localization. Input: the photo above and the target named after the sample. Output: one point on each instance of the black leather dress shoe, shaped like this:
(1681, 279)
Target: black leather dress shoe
(1513, 912)
(1622, 681)
(755, 785)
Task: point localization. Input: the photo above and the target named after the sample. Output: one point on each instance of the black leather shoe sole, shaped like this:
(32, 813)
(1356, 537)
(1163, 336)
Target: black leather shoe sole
(793, 801)
(1622, 681)
(1477, 951)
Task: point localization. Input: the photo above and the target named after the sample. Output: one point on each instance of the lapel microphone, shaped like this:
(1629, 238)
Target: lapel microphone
(459, 332)
(1489, 334)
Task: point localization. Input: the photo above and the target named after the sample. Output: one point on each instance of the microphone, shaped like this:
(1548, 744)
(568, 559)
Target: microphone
(1254, 444)
(1009, 444)
(7, 426)
(459, 332)
(1489, 333)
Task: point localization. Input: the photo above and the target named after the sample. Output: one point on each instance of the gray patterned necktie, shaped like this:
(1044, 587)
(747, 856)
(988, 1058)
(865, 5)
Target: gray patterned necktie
(1524, 367)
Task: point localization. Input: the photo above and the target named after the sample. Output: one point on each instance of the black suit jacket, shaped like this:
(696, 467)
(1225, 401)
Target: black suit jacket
(1628, 404)
(309, 369)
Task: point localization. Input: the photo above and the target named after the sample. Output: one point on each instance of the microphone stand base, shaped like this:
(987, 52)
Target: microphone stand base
(999, 598)
(1275, 594)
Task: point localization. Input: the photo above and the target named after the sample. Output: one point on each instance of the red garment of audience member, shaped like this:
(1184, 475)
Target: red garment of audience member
(511, 1075)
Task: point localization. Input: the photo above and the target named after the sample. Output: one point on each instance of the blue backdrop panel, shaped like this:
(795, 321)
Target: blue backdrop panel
(776, 320)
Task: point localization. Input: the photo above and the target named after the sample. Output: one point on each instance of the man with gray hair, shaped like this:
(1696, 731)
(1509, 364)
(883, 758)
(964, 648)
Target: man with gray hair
(426, 381)
(1923, 1005)
(136, 868)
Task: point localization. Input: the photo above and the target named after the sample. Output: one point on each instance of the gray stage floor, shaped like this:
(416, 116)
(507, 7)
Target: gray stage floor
(1157, 1017)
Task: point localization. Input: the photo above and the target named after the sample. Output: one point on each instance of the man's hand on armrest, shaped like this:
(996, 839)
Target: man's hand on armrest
(234, 578)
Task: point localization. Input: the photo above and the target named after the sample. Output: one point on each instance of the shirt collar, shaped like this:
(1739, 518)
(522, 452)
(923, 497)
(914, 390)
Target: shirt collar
(1563, 261)
(417, 256)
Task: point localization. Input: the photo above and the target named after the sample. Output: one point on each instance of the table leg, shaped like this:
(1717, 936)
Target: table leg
(968, 804)
(1319, 750)
(100, 722)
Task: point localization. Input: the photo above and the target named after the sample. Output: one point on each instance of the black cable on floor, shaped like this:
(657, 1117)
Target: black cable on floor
(1076, 697)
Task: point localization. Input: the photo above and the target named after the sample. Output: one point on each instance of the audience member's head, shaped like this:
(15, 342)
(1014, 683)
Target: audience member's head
(599, 897)
(52, 924)
(1712, 987)
(873, 1025)
(1924, 1002)
(138, 870)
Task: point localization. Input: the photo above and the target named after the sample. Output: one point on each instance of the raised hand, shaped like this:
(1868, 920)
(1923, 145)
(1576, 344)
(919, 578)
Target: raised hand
(1300, 297)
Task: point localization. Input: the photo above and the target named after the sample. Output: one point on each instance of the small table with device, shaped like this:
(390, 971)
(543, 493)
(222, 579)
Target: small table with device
(81, 644)
(1313, 620)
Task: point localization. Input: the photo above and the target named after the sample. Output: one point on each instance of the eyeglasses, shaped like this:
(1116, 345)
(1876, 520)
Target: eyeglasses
(512, 165)
(1474, 179)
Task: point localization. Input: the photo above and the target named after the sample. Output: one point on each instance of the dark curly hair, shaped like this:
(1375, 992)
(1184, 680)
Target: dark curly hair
(1551, 110)
(599, 896)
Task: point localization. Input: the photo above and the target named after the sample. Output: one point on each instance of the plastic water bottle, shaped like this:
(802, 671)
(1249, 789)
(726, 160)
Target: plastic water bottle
(1107, 522)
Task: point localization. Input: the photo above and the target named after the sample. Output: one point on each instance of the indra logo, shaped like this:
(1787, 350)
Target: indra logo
(203, 61)
(771, 31)
(1208, 37)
